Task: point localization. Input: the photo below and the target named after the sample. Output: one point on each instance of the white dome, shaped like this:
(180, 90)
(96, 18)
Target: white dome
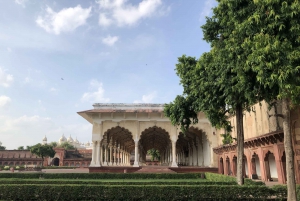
(88, 144)
(70, 139)
(76, 141)
(45, 138)
(63, 138)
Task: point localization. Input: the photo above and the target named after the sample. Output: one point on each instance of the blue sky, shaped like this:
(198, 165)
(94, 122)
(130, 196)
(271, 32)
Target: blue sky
(59, 57)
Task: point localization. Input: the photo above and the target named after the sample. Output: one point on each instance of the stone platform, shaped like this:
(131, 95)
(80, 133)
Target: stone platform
(113, 169)
(152, 169)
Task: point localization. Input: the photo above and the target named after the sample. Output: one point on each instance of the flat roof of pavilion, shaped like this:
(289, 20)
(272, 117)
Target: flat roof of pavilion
(125, 107)
(121, 108)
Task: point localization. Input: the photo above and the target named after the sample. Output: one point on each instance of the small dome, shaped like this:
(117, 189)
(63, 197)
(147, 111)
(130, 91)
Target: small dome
(45, 138)
(88, 144)
(70, 139)
(63, 138)
(76, 141)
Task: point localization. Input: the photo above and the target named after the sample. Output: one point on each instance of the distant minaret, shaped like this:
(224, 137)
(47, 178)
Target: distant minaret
(44, 140)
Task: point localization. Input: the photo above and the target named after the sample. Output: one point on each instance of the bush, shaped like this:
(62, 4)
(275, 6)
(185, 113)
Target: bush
(101, 176)
(220, 177)
(141, 192)
(111, 182)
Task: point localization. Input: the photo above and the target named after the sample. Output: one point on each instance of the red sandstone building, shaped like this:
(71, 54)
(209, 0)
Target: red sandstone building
(73, 158)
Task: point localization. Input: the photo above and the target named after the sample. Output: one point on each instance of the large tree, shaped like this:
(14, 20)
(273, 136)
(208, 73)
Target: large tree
(42, 151)
(218, 84)
(21, 148)
(275, 56)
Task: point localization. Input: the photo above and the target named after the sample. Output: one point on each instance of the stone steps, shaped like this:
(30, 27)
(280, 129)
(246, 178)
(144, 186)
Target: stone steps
(155, 169)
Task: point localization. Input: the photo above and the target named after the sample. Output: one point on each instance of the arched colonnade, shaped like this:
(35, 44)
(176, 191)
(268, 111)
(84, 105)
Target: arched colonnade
(123, 133)
(117, 148)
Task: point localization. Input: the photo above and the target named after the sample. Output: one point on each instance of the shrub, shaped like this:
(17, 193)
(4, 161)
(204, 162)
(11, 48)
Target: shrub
(102, 176)
(112, 182)
(220, 177)
(141, 192)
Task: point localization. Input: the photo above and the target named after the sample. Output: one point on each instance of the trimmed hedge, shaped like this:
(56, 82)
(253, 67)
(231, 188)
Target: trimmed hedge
(102, 176)
(224, 178)
(112, 182)
(129, 192)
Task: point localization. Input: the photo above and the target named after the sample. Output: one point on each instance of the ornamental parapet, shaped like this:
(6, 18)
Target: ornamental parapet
(262, 140)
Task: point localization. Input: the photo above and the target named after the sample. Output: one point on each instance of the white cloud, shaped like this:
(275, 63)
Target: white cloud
(66, 20)
(104, 21)
(148, 98)
(95, 96)
(122, 13)
(5, 79)
(52, 89)
(9, 50)
(27, 80)
(21, 2)
(41, 106)
(110, 40)
(4, 100)
(207, 9)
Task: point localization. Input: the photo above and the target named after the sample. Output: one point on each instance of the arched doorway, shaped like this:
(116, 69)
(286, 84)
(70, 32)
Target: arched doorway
(245, 167)
(270, 166)
(221, 166)
(255, 167)
(228, 169)
(157, 140)
(193, 148)
(116, 147)
(234, 163)
(55, 161)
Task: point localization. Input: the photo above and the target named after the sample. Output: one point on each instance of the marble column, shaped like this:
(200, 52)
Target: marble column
(115, 156)
(98, 154)
(110, 156)
(93, 154)
(105, 156)
(174, 163)
(122, 157)
(136, 150)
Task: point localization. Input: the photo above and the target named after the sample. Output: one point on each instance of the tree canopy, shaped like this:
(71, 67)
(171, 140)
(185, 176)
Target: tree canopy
(275, 57)
(21, 148)
(218, 84)
(254, 55)
(42, 150)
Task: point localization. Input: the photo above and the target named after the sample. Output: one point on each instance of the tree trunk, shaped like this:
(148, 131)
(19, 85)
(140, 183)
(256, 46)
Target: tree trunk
(240, 144)
(289, 154)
